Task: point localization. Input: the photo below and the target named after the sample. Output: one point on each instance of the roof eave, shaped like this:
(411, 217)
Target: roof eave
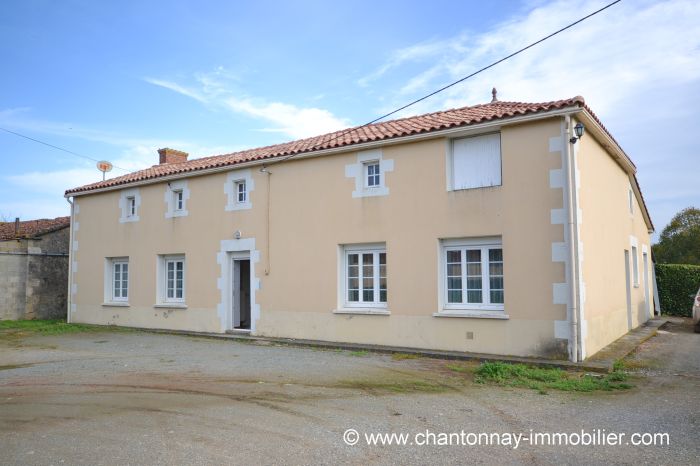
(458, 130)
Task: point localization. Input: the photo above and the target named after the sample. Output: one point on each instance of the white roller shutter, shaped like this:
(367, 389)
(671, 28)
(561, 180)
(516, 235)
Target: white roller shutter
(476, 162)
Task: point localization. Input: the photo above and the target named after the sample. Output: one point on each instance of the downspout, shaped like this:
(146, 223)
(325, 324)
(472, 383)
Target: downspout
(264, 169)
(70, 261)
(571, 207)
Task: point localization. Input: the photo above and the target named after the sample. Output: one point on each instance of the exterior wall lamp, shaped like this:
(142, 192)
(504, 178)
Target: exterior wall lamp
(579, 129)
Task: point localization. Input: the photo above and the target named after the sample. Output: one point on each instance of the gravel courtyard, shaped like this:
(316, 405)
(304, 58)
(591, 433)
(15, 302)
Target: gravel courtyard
(113, 397)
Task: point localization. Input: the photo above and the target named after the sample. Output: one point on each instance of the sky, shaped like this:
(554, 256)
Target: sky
(117, 80)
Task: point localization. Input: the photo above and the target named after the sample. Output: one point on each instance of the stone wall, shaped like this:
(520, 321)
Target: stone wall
(34, 277)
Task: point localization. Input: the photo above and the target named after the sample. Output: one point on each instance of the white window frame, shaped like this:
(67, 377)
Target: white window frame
(178, 199)
(359, 171)
(241, 194)
(376, 174)
(129, 203)
(450, 162)
(375, 250)
(630, 200)
(635, 267)
(485, 308)
(176, 195)
(110, 295)
(130, 206)
(233, 180)
(162, 277)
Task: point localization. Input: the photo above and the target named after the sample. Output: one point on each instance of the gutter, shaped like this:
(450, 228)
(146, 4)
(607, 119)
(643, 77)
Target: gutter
(45, 254)
(69, 301)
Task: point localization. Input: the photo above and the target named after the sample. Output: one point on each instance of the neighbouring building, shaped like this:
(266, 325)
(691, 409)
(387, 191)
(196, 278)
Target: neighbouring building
(34, 268)
(488, 229)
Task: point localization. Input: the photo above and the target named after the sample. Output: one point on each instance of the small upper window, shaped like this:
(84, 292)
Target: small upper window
(179, 200)
(630, 197)
(372, 174)
(476, 162)
(238, 188)
(241, 192)
(130, 206)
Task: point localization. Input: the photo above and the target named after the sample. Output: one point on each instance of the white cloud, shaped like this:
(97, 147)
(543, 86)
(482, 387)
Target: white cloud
(176, 88)
(297, 122)
(294, 121)
(609, 58)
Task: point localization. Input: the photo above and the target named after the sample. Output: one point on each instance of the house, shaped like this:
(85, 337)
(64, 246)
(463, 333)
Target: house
(34, 268)
(489, 229)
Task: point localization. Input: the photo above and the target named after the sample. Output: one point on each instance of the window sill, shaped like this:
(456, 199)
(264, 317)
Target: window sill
(171, 305)
(363, 311)
(473, 314)
(115, 304)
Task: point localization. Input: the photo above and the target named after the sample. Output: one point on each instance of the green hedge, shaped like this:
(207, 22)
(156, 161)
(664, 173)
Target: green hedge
(677, 284)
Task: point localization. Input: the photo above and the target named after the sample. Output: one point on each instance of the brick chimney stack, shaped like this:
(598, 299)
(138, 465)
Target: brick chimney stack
(168, 155)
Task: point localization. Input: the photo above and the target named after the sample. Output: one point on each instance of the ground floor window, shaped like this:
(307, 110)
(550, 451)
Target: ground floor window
(473, 274)
(365, 276)
(172, 279)
(117, 279)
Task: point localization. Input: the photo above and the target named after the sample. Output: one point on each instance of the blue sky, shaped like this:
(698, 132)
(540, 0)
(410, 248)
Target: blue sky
(118, 80)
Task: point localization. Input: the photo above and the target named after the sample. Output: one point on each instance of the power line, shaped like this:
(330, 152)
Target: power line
(59, 148)
(458, 81)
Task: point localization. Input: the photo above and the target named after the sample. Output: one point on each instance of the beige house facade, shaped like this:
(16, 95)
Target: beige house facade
(485, 229)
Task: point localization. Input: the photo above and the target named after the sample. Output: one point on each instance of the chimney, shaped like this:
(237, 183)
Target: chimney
(168, 155)
(16, 227)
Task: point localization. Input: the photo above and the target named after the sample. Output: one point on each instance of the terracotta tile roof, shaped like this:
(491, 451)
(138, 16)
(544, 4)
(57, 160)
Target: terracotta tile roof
(376, 132)
(32, 228)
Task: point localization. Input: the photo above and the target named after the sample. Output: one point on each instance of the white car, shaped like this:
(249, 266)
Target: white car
(696, 313)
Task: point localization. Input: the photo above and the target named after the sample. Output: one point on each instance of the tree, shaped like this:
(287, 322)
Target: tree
(680, 240)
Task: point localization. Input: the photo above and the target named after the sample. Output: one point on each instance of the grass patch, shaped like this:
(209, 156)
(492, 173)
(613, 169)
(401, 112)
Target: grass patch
(48, 327)
(543, 379)
(395, 386)
(403, 356)
(461, 368)
(359, 354)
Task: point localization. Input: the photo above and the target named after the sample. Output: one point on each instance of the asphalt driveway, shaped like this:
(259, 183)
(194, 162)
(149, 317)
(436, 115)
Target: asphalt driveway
(140, 398)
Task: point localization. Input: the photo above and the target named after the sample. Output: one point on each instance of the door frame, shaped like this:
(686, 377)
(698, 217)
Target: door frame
(233, 258)
(628, 288)
(229, 247)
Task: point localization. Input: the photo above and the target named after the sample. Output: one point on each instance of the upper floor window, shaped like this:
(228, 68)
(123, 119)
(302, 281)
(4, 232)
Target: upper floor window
(176, 195)
(130, 206)
(475, 162)
(372, 174)
(179, 200)
(369, 173)
(473, 274)
(241, 192)
(239, 185)
(129, 203)
(630, 200)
